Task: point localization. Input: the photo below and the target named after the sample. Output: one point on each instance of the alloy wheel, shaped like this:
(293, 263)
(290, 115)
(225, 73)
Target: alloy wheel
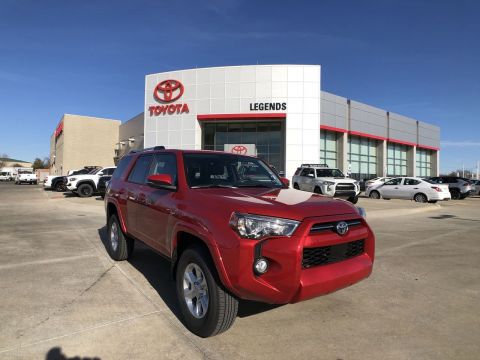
(114, 235)
(195, 290)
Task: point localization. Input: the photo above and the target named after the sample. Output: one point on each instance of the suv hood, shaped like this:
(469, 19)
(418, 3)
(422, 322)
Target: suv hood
(285, 203)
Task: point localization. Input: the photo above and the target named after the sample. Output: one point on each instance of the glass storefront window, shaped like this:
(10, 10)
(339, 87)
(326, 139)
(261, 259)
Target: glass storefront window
(328, 148)
(362, 157)
(267, 136)
(396, 159)
(424, 162)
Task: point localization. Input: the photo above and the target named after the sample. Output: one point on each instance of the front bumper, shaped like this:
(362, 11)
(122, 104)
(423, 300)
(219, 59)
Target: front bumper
(72, 187)
(287, 281)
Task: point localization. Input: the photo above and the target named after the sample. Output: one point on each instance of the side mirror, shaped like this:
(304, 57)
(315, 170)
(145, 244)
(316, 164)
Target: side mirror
(161, 181)
(285, 181)
(100, 173)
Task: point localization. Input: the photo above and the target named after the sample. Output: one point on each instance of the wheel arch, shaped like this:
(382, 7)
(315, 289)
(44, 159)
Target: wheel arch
(112, 209)
(421, 193)
(185, 239)
(89, 182)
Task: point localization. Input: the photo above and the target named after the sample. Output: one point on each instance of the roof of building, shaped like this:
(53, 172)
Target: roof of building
(14, 160)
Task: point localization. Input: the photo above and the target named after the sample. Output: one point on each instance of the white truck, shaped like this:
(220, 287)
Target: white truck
(321, 179)
(86, 185)
(26, 177)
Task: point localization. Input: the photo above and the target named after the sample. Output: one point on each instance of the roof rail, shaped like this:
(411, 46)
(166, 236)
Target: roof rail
(314, 165)
(153, 148)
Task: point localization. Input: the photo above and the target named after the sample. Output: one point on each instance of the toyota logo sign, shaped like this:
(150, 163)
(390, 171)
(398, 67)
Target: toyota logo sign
(342, 228)
(168, 91)
(239, 149)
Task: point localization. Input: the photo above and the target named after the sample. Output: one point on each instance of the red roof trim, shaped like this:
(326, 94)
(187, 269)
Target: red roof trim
(332, 128)
(242, 116)
(428, 147)
(358, 133)
(401, 142)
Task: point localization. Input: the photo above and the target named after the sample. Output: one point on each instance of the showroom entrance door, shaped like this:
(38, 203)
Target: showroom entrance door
(267, 136)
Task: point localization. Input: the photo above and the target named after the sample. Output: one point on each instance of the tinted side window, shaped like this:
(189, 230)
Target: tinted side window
(108, 172)
(396, 181)
(305, 172)
(164, 164)
(297, 172)
(122, 165)
(140, 170)
(411, 182)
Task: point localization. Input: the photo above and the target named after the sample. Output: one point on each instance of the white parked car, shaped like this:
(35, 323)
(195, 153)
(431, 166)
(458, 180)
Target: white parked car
(85, 185)
(410, 188)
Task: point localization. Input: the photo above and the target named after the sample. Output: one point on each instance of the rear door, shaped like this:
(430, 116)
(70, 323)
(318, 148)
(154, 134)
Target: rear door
(135, 181)
(410, 187)
(158, 205)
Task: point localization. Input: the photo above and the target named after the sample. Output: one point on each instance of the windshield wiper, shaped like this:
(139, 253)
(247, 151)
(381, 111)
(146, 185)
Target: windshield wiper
(213, 186)
(256, 185)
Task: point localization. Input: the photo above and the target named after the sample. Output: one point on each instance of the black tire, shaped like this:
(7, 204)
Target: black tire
(317, 190)
(222, 307)
(420, 198)
(122, 247)
(455, 194)
(85, 190)
(295, 186)
(60, 187)
(374, 194)
(353, 199)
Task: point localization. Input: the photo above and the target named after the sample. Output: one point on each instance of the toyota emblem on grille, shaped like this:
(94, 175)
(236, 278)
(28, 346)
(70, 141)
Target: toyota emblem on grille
(342, 228)
(168, 91)
(239, 149)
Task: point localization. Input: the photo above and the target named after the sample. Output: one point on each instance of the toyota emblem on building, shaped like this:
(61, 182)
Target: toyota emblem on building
(239, 149)
(342, 228)
(168, 91)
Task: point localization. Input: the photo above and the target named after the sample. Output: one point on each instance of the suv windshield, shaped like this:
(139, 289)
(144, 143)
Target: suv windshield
(329, 173)
(225, 170)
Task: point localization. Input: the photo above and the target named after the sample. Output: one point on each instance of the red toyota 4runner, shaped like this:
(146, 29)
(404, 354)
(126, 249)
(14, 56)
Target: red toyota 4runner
(233, 230)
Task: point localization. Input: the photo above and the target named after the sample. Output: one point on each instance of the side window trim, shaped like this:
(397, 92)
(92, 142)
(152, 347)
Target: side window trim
(132, 170)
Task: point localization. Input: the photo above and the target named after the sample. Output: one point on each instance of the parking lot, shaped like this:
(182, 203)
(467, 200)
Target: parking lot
(61, 294)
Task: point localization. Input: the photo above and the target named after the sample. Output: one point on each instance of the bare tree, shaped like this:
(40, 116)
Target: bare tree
(2, 160)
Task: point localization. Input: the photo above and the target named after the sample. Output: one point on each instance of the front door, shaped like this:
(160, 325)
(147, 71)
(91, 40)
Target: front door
(390, 189)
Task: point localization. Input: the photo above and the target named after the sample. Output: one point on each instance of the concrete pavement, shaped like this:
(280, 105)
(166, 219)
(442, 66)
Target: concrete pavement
(60, 292)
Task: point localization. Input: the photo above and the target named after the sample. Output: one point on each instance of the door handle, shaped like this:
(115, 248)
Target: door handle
(415, 188)
(131, 196)
(396, 188)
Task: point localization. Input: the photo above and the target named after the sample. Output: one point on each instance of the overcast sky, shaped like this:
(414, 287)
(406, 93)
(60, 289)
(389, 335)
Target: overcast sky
(417, 58)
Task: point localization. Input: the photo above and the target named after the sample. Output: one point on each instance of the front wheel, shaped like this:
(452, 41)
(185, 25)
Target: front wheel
(455, 194)
(374, 194)
(295, 186)
(206, 307)
(85, 190)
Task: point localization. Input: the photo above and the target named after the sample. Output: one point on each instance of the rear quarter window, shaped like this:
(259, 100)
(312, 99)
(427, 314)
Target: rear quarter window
(122, 166)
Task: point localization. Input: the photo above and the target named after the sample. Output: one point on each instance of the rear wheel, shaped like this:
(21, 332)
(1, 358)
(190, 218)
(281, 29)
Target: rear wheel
(317, 190)
(374, 194)
(420, 198)
(85, 190)
(60, 187)
(206, 307)
(455, 194)
(119, 246)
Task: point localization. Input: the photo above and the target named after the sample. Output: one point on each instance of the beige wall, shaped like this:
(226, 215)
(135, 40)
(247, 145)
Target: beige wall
(85, 141)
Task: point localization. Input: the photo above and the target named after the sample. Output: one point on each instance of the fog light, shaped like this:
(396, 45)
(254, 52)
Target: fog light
(261, 266)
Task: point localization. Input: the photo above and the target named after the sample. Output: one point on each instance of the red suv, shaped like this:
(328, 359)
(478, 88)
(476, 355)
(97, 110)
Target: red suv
(233, 230)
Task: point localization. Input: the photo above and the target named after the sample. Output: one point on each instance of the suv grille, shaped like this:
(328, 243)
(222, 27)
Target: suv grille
(331, 225)
(330, 254)
(345, 186)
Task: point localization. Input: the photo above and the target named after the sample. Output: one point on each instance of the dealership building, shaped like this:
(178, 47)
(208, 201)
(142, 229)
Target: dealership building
(278, 113)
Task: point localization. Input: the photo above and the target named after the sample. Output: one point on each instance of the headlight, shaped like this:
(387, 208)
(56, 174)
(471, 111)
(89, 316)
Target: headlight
(72, 179)
(362, 212)
(257, 226)
(328, 183)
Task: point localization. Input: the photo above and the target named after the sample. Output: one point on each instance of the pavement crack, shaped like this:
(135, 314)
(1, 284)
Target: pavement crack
(66, 305)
